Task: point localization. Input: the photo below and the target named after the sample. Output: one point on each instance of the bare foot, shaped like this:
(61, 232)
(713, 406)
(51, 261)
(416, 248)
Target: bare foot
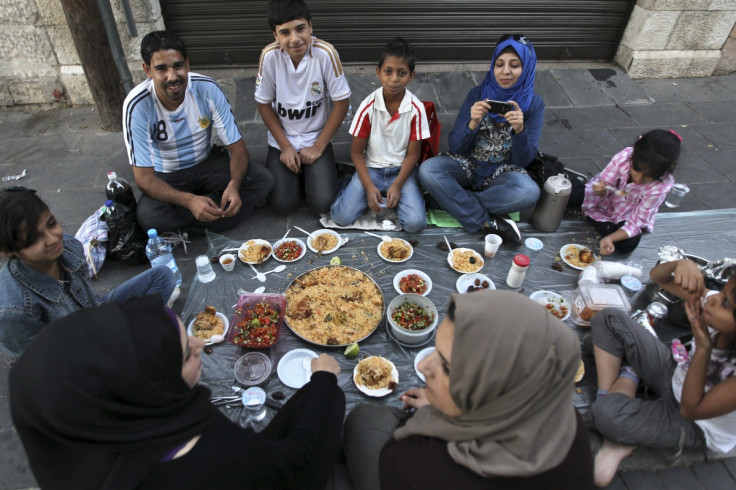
(607, 460)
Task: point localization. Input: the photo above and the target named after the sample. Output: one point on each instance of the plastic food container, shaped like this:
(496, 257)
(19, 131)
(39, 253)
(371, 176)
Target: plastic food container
(252, 369)
(592, 298)
(243, 331)
(412, 336)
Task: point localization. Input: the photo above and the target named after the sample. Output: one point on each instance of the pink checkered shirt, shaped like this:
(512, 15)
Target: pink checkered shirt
(637, 208)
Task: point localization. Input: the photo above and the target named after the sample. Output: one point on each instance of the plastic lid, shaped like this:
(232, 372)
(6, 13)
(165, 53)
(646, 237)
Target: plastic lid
(254, 398)
(521, 260)
(631, 283)
(253, 369)
(112, 175)
(109, 203)
(152, 233)
(599, 296)
(534, 244)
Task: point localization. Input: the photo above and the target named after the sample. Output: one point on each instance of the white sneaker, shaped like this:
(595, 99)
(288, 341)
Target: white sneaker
(174, 296)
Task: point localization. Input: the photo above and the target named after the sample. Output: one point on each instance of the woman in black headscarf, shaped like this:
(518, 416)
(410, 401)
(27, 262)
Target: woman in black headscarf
(107, 397)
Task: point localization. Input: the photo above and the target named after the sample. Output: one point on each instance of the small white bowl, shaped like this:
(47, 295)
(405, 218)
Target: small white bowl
(410, 336)
(249, 243)
(477, 256)
(298, 241)
(225, 323)
(411, 251)
(320, 232)
(398, 277)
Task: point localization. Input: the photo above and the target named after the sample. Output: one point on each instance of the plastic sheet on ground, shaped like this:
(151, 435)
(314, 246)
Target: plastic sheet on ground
(708, 234)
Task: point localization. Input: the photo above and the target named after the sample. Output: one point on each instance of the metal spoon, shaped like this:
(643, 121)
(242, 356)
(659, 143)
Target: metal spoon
(259, 275)
(277, 269)
(385, 238)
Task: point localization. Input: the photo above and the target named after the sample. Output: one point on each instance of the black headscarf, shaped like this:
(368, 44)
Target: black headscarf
(98, 398)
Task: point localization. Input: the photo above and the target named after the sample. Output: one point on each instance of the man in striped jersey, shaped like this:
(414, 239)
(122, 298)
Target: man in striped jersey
(187, 183)
(299, 77)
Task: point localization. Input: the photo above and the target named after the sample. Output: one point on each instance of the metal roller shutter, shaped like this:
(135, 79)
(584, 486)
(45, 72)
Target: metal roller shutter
(233, 32)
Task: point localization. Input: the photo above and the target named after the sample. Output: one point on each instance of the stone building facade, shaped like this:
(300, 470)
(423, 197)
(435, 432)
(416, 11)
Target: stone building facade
(39, 63)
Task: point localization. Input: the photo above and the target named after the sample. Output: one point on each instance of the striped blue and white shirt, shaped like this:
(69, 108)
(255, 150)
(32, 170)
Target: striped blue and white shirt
(175, 140)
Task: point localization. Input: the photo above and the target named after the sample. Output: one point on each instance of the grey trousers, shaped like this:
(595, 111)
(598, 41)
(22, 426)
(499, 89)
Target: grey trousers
(634, 421)
(367, 428)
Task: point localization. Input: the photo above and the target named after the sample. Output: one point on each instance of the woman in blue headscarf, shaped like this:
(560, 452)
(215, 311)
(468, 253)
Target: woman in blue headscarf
(490, 145)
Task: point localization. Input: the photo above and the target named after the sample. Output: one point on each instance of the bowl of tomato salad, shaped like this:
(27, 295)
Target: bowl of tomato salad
(289, 250)
(412, 281)
(412, 318)
(257, 320)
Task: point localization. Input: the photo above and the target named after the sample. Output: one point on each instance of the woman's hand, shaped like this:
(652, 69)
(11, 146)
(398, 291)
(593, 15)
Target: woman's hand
(325, 362)
(414, 398)
(477, 112)
(694, 309)
(515, 118)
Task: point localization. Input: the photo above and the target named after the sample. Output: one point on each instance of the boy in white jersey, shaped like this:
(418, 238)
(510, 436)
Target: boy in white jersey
(298, 76)
(387, 130)
(167, 124)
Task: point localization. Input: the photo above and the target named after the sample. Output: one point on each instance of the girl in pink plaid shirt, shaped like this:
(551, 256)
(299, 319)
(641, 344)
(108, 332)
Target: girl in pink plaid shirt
(623, 199)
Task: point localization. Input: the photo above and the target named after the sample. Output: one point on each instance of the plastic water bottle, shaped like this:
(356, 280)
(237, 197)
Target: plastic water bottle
(118, 190)
(107, 209)
(158, 252)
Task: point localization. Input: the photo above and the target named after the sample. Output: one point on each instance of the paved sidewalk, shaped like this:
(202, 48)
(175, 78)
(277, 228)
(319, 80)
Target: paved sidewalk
(591, 114)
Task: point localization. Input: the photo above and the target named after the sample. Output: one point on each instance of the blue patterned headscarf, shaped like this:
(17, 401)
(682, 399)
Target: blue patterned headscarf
(523, 90)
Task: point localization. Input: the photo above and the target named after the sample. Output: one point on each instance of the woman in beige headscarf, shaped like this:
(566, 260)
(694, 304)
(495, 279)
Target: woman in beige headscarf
(497, 405)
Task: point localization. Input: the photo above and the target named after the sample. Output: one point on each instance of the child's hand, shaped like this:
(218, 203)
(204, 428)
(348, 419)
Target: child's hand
(694, 309)
(290, 158)
(310, 155)
(689, 277)
(373, 195)
(393, 195)
(607, 247)
(599, 187)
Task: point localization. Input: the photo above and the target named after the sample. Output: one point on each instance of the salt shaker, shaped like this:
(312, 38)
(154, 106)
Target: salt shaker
(517, 272)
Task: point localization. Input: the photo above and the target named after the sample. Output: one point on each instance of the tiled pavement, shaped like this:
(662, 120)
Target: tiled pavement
(591, 114)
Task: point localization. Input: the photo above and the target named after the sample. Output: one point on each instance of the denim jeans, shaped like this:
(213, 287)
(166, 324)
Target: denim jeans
(352, 202)
(156, 280)
(320, 182)
(447, 183)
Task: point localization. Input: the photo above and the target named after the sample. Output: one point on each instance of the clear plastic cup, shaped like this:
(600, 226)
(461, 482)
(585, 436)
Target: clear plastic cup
(533, 246)
(674, 198)
(205, 273)
(492, 243)
(227, 261)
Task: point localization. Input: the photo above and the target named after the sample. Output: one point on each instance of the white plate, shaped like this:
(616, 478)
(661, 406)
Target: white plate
(340, 241)
(475, 254)
(411, 251)
(466, 280)
(422, 354)
(404, 273)
(222, 317)
(291, 370)
(549, 297)
(382, 391)
(564, 251)
(255, 241)
(276, 245)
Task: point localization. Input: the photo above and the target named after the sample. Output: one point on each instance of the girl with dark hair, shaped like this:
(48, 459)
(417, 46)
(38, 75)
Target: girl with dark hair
(107, 398)
(623, 199)
(695, 404)
(483, 176)
(46, 276)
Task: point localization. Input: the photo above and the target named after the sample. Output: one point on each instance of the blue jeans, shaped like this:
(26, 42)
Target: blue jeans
(352, 202)
(446, 182)
(156, 280)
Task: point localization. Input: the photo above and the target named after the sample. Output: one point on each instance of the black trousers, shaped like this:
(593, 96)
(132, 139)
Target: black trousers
(208, 178)
(605, 228)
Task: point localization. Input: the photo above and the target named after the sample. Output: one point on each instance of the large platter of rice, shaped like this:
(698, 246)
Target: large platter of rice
(376, 376)
(333, 306)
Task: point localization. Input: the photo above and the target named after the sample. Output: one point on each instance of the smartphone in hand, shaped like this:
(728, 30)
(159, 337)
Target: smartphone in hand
(498, 107)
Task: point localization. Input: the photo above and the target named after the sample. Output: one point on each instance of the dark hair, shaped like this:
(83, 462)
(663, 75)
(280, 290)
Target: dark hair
(20, 211)
(283, 11)
(400, 48)
(160, 40)
(656, 153)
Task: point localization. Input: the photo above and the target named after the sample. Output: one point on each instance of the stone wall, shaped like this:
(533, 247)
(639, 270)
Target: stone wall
(38, 60)
(679, 38)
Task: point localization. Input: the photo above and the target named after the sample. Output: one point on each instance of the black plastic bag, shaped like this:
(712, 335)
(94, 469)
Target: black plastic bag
(126, 240)
(545, 166)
